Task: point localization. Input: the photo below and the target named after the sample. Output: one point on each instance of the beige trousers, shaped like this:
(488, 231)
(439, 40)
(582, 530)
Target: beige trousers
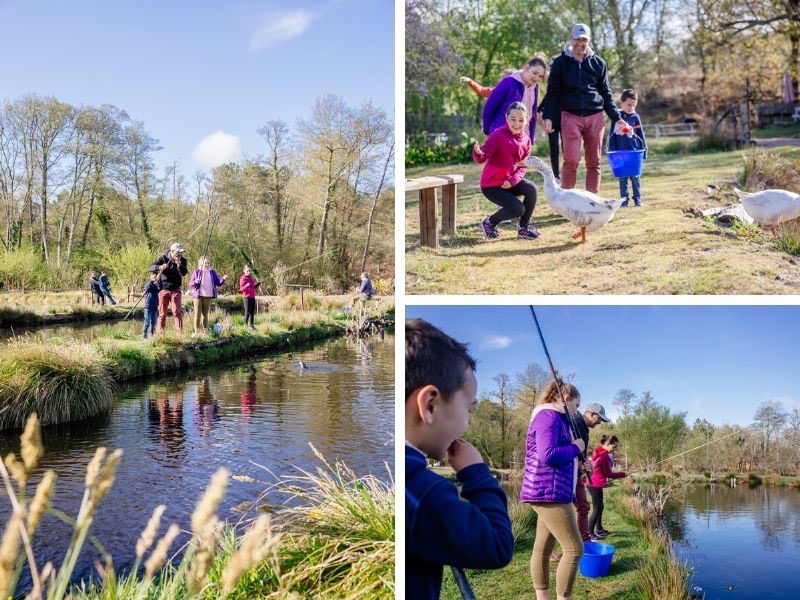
(556, 523)
(201, 307)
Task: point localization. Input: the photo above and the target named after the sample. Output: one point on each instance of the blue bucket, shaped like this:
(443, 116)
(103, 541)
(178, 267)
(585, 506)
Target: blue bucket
(596, 559)
(626, 163)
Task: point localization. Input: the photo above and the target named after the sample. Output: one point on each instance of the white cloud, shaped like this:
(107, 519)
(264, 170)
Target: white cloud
(495, 342)
(216, 149)
(279, 27)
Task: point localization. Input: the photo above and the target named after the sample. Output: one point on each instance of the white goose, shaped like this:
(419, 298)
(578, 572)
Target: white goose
(584, 209)
(770, 207)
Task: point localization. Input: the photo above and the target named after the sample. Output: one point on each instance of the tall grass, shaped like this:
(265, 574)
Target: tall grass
(59, 381)
(335, 539)
(659, 576)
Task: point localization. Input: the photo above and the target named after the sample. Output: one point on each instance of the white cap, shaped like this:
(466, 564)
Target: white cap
(176, 247)
(581, 31)
(594, 407)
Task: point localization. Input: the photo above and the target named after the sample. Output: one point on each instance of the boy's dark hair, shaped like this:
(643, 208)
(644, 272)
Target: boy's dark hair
(434, 358)
(629, 94)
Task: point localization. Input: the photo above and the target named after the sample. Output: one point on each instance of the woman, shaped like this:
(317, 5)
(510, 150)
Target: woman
(601, 473)
(548, 484)
(204, 284)
(519, 86)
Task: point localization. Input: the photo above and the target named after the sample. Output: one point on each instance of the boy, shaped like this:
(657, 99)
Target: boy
(151, 290)
(633, 139)
(472, 530)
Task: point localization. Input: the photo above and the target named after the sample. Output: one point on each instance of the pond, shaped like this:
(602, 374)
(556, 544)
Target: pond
(255, 418)
(742, 542)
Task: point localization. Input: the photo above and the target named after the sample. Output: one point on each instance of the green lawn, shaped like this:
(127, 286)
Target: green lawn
(514, 581)
(656, 249)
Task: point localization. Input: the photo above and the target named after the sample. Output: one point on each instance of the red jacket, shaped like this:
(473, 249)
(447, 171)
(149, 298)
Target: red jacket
(247, 285)
(502, 150)
(601, 463)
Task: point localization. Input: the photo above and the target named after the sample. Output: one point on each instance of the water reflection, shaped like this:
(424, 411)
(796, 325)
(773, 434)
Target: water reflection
(176, 432)
(748, 538)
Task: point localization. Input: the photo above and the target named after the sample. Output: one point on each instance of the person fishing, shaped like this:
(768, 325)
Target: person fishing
(94, 288)
(248, 285)
(601, 465)
(548, 485)
(204, 284)
(171, 268)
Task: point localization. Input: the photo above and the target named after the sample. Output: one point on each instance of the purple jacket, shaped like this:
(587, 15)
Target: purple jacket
(194, 283)
(550, 458)
(506, 91)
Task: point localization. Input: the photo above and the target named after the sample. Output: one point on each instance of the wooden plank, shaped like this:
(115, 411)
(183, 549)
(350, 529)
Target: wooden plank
(429, 236)
(449, 208)
(432, 182)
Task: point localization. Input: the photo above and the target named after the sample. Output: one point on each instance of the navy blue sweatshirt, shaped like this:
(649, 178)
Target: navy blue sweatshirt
(472, 531)
(151, 290)
(580, 88)
(623, 142)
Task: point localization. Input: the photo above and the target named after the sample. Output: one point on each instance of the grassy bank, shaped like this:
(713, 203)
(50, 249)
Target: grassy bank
(18, 309)
(62, 379)
(656, 249)
(335, 540)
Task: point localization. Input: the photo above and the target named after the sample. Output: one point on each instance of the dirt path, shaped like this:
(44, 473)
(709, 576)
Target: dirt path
(656, 249)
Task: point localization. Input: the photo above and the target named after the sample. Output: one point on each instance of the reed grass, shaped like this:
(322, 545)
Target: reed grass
(59, 381)
(335, 540)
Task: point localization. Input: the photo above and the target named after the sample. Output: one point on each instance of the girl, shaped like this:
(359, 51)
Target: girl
(548, 484)
(502, 179)
(601, 465)
(248, 285)
(204, 284)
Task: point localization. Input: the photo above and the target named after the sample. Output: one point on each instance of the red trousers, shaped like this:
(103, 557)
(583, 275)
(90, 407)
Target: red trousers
(164, 298)
(589, 130)
(582, 510)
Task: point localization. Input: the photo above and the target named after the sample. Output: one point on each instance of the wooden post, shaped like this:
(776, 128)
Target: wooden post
(427, 218)
(449, 208)
(302, 301)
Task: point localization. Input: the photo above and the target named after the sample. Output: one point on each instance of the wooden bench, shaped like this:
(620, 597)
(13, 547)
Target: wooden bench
(427, 186)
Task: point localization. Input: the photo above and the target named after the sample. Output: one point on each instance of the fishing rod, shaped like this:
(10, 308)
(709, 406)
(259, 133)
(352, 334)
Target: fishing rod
(191, 235)
(306, 261)
(572, 426)
(462, 583)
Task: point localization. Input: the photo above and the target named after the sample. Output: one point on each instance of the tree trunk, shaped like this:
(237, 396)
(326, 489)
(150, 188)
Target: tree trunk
(372, 208)
(329, 187)
(43, 213)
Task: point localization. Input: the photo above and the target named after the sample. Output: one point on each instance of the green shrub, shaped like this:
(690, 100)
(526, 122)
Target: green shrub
(20, 269)
(754, 480)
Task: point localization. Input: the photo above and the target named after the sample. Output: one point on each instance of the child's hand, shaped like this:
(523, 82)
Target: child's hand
(506, 185)
(548, 125)
(461, 454)
(579, 443)
(464, 79)
(476, 148)
(521, 163)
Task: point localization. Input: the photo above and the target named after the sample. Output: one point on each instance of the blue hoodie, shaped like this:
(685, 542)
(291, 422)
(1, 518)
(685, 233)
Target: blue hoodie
(472, 531)
(623, 142)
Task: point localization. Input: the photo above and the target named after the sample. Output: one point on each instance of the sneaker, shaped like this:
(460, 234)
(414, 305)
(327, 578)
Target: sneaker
(600, 535)
(625, 204)
(603, 532)
(529, 232)
(594, 538)
(637, 202)
(489, 231)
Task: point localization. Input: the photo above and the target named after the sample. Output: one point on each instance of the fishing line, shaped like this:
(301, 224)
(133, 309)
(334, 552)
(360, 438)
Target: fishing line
(687, 451)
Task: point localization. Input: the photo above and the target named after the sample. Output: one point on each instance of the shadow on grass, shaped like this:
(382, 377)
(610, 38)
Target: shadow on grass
(526, 248)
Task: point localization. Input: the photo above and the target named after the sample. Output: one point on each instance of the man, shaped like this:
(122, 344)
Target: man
(591, 417)
(171, 267)
(578, 87)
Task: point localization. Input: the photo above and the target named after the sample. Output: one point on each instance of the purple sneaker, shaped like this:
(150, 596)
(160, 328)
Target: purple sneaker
(529, 232)
(489, 231)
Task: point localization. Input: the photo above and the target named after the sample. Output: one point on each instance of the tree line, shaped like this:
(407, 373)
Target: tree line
(79, 190)
(650, 433)
(684, 58)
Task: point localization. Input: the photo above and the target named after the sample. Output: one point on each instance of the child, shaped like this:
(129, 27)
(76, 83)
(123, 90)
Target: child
(204, 284)
(601, 463)
(248, 285)
(633, 140)
(502, 179)
(472, 530)
(151, 290)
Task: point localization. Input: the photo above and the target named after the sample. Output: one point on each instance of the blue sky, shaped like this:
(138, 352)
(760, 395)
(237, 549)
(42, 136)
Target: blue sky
(712, 362)
(192, 68)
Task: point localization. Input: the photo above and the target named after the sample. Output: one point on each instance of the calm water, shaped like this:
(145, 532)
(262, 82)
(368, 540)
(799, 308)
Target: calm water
(742, 542)
(177, 431)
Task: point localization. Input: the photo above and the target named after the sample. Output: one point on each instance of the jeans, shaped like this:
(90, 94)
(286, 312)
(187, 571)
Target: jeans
(623, 188)
(510, 205)
(150, 317)
(107, 292)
